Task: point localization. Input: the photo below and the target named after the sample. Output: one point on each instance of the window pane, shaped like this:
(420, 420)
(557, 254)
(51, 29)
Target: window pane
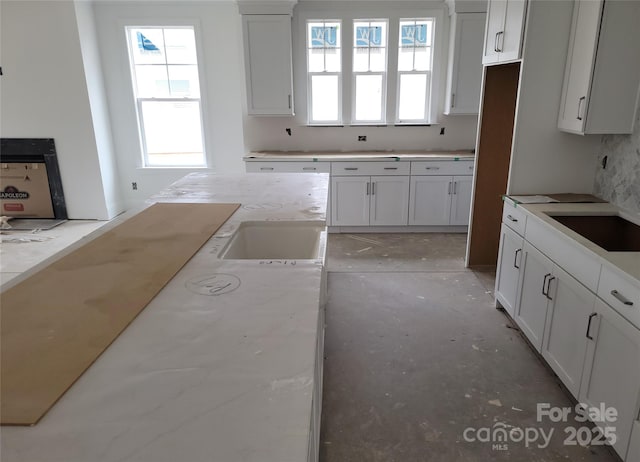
(323, 46)
(413, 93)
(416, 33)
(147, 46)
(422, 59)
(172, 133)
(180, 46)
(378, 60)
(369, 46)
(183, 81)
(151, 81)
(333, 60)
(324, 98)
(368, 97)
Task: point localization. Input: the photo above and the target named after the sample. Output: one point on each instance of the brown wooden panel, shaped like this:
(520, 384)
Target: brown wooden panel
(57, 322)
(492, 161)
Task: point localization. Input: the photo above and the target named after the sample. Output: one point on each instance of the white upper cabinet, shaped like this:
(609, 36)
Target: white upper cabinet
(464, 76)
(267, 58)
(602, 76)
(504, 31)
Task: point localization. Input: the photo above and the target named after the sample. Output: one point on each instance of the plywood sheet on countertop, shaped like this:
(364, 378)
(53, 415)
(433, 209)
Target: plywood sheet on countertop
(56, 323)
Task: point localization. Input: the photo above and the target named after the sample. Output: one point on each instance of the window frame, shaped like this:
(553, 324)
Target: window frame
(354, 75)
(310, 74)
(315, 11)
(143, 161)
(429, 74)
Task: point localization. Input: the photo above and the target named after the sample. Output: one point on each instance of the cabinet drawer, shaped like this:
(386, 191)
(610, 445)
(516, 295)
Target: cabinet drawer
(288, 167)
(514, 218)
(369, 168)
(442, 167)
(621, 293)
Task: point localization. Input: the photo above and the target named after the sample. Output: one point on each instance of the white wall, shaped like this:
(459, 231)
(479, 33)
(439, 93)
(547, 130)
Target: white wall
(44, 95)
(99, 108)
(268, 133)
(544, 159)
(218, 36)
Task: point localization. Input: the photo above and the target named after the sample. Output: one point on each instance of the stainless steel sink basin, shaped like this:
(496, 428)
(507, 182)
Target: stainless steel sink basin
(276, 240)
(611, 232)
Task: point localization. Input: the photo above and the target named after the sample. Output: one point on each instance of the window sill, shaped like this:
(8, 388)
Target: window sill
(372, 125)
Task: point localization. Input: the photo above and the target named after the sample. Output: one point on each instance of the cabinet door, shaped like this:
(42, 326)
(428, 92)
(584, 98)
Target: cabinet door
(389, 200)
(611, 376)
(430, 200)
(461, 200)
(510, 41)
(267, 54)
(350, 200)
(531, 311)
(508, 274)
(580, 60)
(496, 10)
(565, 343)
(465, 73)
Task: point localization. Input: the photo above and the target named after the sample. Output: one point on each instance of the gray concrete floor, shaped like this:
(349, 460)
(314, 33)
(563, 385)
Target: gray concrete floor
(416, 353)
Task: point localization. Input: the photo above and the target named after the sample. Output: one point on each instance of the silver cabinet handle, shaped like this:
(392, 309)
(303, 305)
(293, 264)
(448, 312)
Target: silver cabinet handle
(432, 168)
(453, 99)
(368, 188)
(470, 167)
(391, 168)
(510, 218)
(266, 168)
(591, 316)
(455, 187)
(495, 43)
(499, 50)
(309, 168)
(582, 98)
(515, 259)
(449, 188)
(289, 101)
(351, 168)
(373, 189)
(621, 298)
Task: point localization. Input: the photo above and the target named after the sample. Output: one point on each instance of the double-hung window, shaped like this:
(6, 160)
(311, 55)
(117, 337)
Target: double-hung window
(415, 59)
(369, 71)
(166, 85)
(324, 66)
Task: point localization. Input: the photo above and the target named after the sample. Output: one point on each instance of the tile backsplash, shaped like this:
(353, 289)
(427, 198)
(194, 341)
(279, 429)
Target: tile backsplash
(619, 182)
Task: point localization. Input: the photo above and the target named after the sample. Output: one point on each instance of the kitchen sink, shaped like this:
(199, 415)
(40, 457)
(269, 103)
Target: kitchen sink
(611, 232)
(277, 240)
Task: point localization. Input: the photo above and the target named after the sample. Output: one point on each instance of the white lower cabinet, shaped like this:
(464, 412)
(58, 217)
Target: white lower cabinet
(508, 271)
(531, 310)
(569, 309)
(369, 200)
(611, 376)
(440, 200)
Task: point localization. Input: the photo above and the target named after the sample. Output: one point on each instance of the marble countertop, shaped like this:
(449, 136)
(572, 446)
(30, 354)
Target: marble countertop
(628, 262)
(200, 377)
(358, 155)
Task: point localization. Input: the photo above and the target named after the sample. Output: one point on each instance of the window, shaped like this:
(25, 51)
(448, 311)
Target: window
(166, 84)
(369, 71)
(387, 71)
(414, 70)
(324, 64)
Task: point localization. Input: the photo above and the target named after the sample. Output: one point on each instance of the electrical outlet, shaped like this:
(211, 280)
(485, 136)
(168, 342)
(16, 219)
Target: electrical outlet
(134, 186)
(362, 138)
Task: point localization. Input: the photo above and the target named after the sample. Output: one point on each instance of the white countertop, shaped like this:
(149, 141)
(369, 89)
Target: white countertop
(226, 377)
(628, 262)
(358, 155)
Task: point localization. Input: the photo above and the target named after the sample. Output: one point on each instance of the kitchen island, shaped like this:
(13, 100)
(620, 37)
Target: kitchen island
(224, 364)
